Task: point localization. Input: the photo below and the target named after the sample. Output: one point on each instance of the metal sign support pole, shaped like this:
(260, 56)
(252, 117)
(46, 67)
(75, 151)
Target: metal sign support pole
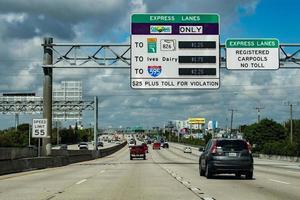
(47, 96)
(95, 121)
(39, 147)
(29, 136)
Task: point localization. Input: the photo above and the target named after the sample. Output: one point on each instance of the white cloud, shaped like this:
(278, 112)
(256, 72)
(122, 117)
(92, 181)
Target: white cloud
(13, 17)
(109, 21)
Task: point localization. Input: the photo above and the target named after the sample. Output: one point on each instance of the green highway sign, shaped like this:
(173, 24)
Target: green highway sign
(175, 51)
(252, 54)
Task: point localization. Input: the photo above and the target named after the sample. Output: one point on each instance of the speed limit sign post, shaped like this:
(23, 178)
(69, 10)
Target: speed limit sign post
(39, 128)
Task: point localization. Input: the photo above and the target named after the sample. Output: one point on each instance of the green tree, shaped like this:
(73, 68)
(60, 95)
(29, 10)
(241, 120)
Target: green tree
(296, 134)
(266, 131)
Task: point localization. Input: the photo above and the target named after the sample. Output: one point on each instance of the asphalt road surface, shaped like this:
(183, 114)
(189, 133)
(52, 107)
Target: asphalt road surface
(166, 174)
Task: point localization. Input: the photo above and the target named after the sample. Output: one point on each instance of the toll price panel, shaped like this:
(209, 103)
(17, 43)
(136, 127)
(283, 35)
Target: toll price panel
(175, 51)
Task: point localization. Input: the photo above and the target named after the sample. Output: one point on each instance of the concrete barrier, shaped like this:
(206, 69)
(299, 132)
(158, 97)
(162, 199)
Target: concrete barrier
(11, 153)
(278, 157)
(58, 158)
(255, 155)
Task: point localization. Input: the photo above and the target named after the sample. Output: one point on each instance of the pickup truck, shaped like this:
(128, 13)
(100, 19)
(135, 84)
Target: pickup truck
(137, 151)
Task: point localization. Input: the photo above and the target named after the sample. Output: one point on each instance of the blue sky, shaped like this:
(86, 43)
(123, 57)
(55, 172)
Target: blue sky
(278, 19)
(22, 27)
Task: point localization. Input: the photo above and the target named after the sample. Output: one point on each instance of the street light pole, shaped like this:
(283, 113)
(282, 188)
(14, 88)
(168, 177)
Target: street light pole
(231, 120)
(290, 104)
(291, 134)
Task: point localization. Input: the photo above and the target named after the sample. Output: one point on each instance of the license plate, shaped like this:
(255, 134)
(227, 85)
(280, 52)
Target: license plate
(232, 154)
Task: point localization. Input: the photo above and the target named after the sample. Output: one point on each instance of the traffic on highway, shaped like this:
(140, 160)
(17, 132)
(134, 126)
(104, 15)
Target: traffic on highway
(168, 173)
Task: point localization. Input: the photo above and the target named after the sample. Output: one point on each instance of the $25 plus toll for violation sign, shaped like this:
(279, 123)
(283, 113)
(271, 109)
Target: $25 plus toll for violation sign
(252, 54)
(175, 51)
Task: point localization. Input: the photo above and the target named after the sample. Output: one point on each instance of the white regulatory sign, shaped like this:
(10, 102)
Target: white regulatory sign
(39, 128)
(175, 51)
(252, 54)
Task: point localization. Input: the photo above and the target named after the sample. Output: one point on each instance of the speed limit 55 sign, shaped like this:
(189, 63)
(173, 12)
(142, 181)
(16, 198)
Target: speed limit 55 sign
(39, 128)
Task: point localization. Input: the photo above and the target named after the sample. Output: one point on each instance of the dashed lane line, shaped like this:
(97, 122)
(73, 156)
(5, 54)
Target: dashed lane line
(82, 181)
(277, 181)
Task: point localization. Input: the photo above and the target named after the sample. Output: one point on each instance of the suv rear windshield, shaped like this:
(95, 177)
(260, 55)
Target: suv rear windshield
(232, 145)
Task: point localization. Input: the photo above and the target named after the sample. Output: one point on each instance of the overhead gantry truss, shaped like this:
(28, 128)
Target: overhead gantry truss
(93, 55)
(34, 105)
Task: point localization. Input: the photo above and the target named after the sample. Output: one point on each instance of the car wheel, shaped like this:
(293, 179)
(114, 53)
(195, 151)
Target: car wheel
(238, 175)
(202, 172)
(144, 157)
(249, 175)
(130, 157)
(208, 172)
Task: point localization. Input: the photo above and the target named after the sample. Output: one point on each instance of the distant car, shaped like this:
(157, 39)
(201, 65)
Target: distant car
(226, 156)
(131, 143)
(187, 150)
(83, 145)
(165, 144)
(145, 147)
(148, 141)
(100, 144)
(63, 147)
(156, 145)
(32, 147)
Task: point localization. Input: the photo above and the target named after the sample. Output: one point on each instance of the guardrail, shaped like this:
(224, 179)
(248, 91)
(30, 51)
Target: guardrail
(58, 158)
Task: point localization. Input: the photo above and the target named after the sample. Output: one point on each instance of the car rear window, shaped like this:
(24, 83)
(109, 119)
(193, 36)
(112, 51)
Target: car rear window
(232, 145)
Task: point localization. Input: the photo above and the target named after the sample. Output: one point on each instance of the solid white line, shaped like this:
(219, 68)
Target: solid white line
(102, 171)
(79, 182)
(279, 181)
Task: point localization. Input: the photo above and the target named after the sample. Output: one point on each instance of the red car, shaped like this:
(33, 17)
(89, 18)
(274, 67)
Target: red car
(145, 147)
(137, 151)
(156, 145)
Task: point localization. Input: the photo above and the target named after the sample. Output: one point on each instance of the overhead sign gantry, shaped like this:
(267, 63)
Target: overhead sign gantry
(175, 51)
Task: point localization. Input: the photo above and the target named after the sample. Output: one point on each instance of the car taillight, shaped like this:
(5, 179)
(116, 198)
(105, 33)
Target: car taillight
(214, 149)
(249, 147)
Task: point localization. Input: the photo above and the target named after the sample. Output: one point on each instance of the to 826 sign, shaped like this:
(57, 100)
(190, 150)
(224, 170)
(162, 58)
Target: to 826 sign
(39, 128)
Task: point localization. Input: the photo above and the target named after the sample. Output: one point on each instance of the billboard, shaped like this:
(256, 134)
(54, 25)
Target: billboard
(196, 120)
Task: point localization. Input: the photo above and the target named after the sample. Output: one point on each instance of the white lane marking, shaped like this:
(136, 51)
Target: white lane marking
(102, 171)
(195, 189)
(82, 181)
(279, 181)
(185, 183)
(292, 172)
